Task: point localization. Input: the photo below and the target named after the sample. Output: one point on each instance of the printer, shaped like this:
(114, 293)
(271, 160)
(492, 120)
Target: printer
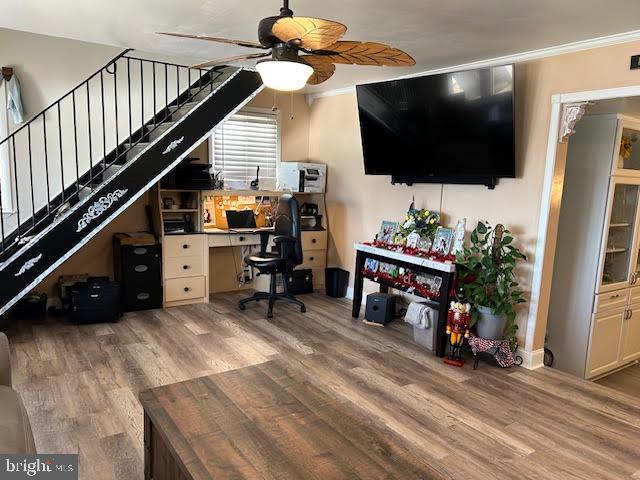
(302, 177)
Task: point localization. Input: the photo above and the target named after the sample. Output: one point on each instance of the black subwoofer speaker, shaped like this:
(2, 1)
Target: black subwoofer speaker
(381, 308)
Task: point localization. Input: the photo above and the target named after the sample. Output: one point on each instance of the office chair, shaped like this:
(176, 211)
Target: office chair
(287, 239)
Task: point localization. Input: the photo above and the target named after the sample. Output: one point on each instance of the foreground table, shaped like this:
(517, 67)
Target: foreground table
(265, 421)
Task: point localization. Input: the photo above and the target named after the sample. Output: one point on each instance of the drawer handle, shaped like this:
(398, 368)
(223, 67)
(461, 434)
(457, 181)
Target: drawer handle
(615, 296)
(185, 246)
(311, 259)
(313, 240)
(241, 239)
(186, 289)
(185, 267)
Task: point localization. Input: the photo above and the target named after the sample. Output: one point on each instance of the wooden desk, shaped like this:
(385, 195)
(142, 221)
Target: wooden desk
(265, 421)
(418, 264)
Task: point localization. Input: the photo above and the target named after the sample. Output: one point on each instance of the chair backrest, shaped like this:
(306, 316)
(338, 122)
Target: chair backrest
(287, 222)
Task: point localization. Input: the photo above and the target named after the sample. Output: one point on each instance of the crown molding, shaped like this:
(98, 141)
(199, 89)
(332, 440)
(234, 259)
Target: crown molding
(579, 46)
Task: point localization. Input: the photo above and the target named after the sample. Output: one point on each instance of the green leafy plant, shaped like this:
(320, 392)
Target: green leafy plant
(487, 274)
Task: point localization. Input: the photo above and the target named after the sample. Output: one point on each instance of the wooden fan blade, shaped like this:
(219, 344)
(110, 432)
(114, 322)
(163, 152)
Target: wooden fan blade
(312, 33)
(224, 61)
(367, 53)
(323, 69)
(242, 43)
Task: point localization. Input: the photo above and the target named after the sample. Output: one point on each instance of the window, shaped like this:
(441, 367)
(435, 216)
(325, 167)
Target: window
(247, 140)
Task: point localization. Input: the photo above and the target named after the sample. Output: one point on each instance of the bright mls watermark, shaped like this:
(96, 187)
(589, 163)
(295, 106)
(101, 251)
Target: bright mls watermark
(39, 466)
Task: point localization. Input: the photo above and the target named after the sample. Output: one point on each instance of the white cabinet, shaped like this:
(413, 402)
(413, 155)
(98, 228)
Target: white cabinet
(594, 312)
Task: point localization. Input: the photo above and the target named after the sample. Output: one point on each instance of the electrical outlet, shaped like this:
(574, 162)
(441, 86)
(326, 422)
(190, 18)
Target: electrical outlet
(635, 62)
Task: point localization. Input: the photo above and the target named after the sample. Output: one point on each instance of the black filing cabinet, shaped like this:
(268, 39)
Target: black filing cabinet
(138, 269)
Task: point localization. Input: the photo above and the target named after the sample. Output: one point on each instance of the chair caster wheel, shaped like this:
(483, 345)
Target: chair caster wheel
(303, 309)
(242, 306)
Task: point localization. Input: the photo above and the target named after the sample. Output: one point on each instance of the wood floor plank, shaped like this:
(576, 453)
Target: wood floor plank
(80, 386)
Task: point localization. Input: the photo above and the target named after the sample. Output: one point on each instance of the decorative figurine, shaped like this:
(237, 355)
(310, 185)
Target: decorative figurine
(458, 236)
(458, 319)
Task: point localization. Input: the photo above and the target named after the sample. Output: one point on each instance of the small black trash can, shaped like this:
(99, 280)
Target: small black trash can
(336, 282)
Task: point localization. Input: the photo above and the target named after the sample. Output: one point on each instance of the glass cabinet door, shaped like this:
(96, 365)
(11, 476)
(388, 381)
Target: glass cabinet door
(620, 236)
(629, 149)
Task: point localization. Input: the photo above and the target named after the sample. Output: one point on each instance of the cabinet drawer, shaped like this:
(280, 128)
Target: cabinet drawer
(219, 241)
(634, 296)
(313, 259)
(180, 267)
(183, 245)
(608, 301)
(240, 239)
(314, 240)
(177, 289)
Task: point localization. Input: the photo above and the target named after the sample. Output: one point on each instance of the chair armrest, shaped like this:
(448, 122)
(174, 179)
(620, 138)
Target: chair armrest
(5, 363)
(284, 238)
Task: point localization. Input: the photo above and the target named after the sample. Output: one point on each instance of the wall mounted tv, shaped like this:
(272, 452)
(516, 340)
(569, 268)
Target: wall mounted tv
(449, 128)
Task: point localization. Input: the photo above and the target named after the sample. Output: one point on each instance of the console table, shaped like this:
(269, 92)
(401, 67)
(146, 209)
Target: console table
(446, 271)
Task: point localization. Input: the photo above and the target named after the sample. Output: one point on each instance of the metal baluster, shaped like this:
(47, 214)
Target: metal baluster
(155, 111)
(90, 144)
(75, 141)
(129, 89)
(141, 100)
(15, 179)
(61, 160)
(166, 92)
(46, 160)
(115, 99)
(2, 209)
(104, 128)
(33, 200)
(189, 96)
(177, 87)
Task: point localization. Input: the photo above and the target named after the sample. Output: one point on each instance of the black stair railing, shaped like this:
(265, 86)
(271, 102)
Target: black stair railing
(70, 147)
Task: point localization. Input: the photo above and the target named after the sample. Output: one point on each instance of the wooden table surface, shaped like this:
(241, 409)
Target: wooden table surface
(266, 421)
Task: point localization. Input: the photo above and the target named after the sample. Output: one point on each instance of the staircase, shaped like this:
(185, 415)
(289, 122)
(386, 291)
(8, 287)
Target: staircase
(84, 159)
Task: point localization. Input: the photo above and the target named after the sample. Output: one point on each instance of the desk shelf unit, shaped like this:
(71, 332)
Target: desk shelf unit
(203, 260)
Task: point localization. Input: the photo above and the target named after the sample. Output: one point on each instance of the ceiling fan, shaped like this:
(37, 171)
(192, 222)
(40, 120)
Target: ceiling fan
(304, 50)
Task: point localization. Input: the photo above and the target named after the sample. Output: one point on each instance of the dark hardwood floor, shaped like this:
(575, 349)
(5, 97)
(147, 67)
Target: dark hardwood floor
(81, 385)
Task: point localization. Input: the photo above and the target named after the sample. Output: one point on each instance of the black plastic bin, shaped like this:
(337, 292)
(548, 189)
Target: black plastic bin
(336, 282)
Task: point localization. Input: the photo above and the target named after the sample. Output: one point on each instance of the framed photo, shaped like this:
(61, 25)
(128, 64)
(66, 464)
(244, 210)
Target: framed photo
(371, 265)
(412, 240)
(387, 231)
(442, 241)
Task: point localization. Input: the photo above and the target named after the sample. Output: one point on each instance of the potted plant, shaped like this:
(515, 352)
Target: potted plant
(487, 281)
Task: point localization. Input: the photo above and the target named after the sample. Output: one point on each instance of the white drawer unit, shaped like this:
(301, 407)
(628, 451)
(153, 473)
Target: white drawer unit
(314, 240)
(185, 269)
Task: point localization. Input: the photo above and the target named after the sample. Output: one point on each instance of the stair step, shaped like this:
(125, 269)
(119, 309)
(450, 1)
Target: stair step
(135, 150)
(178, 113)
(159, 130)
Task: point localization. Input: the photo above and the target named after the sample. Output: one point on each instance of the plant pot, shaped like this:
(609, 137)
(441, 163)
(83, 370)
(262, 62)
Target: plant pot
(490, 325)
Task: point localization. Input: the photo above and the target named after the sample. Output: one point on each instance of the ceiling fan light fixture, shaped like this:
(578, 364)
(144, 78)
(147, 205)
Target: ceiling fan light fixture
(284, 75)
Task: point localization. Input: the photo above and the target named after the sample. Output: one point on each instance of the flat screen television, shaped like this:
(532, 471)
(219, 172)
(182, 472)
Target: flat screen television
(452, 128)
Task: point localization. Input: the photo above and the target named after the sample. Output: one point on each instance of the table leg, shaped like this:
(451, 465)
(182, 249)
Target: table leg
(384, 289)
(148, 452)
(358, 284)
(441, 338)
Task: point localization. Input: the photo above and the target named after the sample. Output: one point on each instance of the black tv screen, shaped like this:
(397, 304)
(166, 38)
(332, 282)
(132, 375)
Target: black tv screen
(458, 124)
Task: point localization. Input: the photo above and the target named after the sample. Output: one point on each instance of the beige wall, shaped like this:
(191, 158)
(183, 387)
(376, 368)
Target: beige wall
(358, 203)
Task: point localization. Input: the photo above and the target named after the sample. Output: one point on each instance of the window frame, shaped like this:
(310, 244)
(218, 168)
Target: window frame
(268, 111)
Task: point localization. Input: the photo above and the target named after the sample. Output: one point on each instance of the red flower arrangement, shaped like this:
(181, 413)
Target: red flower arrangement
(416, 252)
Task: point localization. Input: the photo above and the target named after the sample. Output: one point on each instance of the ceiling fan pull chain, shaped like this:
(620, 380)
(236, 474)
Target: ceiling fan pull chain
(291, 111)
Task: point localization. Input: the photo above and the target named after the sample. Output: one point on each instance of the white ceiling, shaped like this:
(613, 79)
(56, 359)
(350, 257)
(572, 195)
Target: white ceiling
(436, 33)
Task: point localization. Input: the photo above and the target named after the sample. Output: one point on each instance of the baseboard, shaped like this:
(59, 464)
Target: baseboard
(531, 360)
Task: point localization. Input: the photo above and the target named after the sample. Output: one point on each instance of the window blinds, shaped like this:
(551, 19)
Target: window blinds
(245, 141)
